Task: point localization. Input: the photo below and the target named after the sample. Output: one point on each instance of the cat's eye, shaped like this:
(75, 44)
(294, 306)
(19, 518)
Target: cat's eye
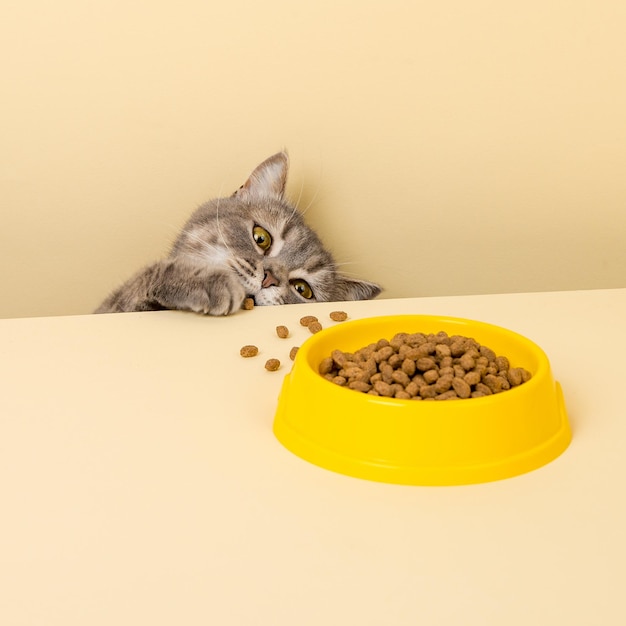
(302, 287)
(262, 238)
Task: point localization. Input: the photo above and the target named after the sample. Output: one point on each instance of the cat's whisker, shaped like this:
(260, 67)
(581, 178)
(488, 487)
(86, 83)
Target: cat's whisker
(350, 274)
(311, 202)
(195, 237)
(314, 198)
(172, 229)
(297, 202)
(217, 225)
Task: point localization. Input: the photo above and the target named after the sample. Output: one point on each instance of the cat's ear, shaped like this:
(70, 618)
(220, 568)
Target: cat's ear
(355, 289)
(268, 179)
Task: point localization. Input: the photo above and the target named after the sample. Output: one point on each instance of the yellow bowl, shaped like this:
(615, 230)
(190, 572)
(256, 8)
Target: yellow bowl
(422, 443)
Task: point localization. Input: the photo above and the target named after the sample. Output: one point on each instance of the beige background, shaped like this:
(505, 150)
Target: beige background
(443, 148)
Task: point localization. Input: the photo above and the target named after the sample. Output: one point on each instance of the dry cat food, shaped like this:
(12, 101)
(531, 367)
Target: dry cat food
(311, 322)
(272, 365)
(314, 327)
(424, 367)
(307, 320)
(248, 351)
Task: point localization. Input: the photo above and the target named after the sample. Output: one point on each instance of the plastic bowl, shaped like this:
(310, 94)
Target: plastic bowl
(422, 443)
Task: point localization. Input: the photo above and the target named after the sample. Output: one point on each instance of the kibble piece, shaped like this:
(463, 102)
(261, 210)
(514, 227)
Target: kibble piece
(359, 385)
(387, 372)
(308, 319)
(502, 363)
(248, 351)
(482, 388)
(398, 340)
(314, 327)
(412, 388)
(395, 361)
(383, 388)
(248, 304)
(383, 353)
(326, 366)
(442, 350)
(409, 367)
(401, 377)
(488, 352)
(457, 348)
(443, 383)
(467, 362)
(493, 382)
(424, 349)
(463, 390)
(425, 363)
(419, 380)
(447, 395)
(282, 332)
(428, 391)
(271, 365)
(504, 382)
(293, 352)
(338, 316)
(352, 371)
(369, 367)
(402, 395)
(472, 378)
(446, 361)
(459, 370)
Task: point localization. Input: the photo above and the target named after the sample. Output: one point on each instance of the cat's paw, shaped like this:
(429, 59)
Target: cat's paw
(176, 284)
(222, 295)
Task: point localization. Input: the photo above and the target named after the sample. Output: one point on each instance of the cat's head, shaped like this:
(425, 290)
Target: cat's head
(265, 242)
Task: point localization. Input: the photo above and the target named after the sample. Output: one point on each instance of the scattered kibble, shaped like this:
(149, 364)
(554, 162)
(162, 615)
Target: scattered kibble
(272, 365)
(314, 327)
(248, 351)
(422, 366)
(311, 322)
(338, 316)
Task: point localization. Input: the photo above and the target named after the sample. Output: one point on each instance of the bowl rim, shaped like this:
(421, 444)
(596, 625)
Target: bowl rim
(542, 369)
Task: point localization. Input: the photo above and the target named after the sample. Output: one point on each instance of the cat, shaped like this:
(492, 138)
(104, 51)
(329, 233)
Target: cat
(253, 244)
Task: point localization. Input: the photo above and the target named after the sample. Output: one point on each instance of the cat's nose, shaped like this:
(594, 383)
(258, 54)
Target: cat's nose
(269, 280)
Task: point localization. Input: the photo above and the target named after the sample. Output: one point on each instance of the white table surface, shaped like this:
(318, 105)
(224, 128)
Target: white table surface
(140, 483)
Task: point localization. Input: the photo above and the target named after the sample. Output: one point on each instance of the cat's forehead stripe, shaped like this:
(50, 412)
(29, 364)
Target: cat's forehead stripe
(288, 227)
(316, 264)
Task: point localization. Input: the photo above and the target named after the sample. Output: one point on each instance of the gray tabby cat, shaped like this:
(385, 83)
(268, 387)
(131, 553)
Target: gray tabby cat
(251, 244)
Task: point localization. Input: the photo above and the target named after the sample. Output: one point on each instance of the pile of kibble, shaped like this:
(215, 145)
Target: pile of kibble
(418, 366)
